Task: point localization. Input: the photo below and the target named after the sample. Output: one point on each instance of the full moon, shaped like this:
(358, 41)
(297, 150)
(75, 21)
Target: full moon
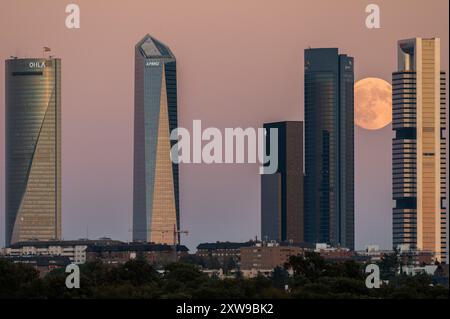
(373, 103)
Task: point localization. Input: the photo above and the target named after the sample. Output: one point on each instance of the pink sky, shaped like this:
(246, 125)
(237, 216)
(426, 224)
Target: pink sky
(240, 63)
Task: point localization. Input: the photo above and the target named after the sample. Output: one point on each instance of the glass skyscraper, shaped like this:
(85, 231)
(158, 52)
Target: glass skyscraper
(156, 213)
(282, 192)
(419, 148)
(33, 149)
(329, 147)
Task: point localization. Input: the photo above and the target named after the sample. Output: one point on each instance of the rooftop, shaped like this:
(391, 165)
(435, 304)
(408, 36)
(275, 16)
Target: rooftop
(150, 47)
(224, 245)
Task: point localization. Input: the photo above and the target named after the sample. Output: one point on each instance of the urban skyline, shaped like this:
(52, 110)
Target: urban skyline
(109, 225)
(325, 71)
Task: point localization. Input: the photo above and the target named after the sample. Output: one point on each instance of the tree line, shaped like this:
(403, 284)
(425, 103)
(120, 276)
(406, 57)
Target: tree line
(312, 277)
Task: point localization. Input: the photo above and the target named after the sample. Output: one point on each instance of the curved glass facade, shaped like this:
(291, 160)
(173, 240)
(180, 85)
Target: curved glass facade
(33, 149)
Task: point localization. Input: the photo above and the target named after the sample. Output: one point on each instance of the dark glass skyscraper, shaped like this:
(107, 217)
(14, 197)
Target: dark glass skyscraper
(282, 192)
(329, 147)
(155, 194)
(33, 149)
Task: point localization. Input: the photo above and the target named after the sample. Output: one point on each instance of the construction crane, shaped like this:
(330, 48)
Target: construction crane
(176, 239)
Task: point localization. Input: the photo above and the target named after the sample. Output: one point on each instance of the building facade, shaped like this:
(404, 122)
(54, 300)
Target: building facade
(33, 149)
(156, 213)
(223, 251)
(75, 250)
(120, 253)
(111, 252)
(329, 147)
(42, 264)
(266, 257)
(419, 148)
(282, 216)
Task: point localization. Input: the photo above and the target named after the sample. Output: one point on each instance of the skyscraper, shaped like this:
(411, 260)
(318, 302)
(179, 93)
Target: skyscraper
(419, 147)
(282, 192)
(329, 147)
(33, 149)
(155, 195)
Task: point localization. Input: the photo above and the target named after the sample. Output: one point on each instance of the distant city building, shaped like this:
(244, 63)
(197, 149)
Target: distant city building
(329, 147)
(335, 254)
(373, 253)
(75, 250)
(33, 149)
(282, 216)
(419, 148)
(122, 252)
(43, 264)
(407, 256)
(264, 257)
(156, 213)
(106, 250)
(223, 251)
(219, 274)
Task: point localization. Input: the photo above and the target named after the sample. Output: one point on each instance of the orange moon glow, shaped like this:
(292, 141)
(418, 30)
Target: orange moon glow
(373, 103)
